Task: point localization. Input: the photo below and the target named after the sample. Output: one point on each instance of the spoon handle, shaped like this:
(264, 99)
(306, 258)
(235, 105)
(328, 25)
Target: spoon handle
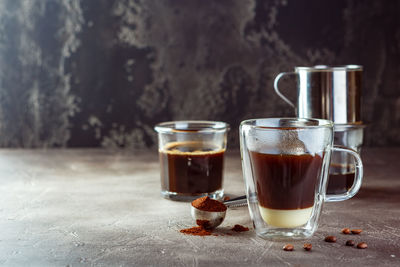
(236, 202)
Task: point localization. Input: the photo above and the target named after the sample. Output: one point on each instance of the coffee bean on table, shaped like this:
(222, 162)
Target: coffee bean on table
(330, 239)
(350, 243)
(362, 245)
(307, 246)
(346, 231)
(356, 231)
(288, 247)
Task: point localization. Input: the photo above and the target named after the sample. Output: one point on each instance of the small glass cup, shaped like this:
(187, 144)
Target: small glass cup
(192, 158)
(285, 167)
(342, 168)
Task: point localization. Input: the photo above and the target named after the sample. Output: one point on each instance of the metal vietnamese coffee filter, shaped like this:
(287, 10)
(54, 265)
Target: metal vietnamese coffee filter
(325, 92)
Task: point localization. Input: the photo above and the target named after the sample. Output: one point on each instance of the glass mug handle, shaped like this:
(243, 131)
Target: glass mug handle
(359, 170)
(276, 81)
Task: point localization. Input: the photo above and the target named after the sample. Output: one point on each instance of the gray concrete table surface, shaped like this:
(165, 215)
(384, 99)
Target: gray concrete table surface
(91, 207)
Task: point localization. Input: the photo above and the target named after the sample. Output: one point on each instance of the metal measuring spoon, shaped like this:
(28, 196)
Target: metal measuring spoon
(211, 219)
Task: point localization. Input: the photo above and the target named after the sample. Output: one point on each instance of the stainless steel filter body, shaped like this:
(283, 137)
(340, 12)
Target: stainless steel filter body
(324, 92)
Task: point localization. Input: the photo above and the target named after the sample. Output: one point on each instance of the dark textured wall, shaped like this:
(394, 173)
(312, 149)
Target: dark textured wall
(102, 73)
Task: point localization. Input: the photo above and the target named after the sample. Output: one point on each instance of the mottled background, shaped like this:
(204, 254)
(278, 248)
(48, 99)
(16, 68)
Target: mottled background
(87, 73)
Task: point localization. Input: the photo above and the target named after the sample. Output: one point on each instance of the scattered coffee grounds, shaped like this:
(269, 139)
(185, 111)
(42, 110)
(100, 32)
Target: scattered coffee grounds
(346, 231)
(197, 230)
(204, 223)
(350, 243)
(307, 246)
(356, 231)
(240, 228)
(203, 231)
(288, 247)
(330, 239)
(362, 245)
(208, 204)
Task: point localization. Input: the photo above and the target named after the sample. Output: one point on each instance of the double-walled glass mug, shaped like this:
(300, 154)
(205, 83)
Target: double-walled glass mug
(192, 158)
(285, 165)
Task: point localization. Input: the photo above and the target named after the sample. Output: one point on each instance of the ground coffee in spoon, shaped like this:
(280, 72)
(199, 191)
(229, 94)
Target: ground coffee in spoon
(208, 204)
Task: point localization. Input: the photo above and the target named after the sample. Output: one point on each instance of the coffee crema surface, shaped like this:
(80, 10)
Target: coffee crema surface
(286, 186)
(191, 167)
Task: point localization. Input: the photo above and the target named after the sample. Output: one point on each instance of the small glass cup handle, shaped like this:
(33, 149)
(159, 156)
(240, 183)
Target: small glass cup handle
(359, 170)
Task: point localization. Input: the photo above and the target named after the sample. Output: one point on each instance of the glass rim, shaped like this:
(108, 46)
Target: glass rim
(191, 126)
(327, 68)
(351, 126)
(322, 123)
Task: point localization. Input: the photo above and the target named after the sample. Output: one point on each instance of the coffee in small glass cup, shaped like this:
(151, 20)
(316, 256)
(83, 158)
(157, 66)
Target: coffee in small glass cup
(192, 158)
(285, 164)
